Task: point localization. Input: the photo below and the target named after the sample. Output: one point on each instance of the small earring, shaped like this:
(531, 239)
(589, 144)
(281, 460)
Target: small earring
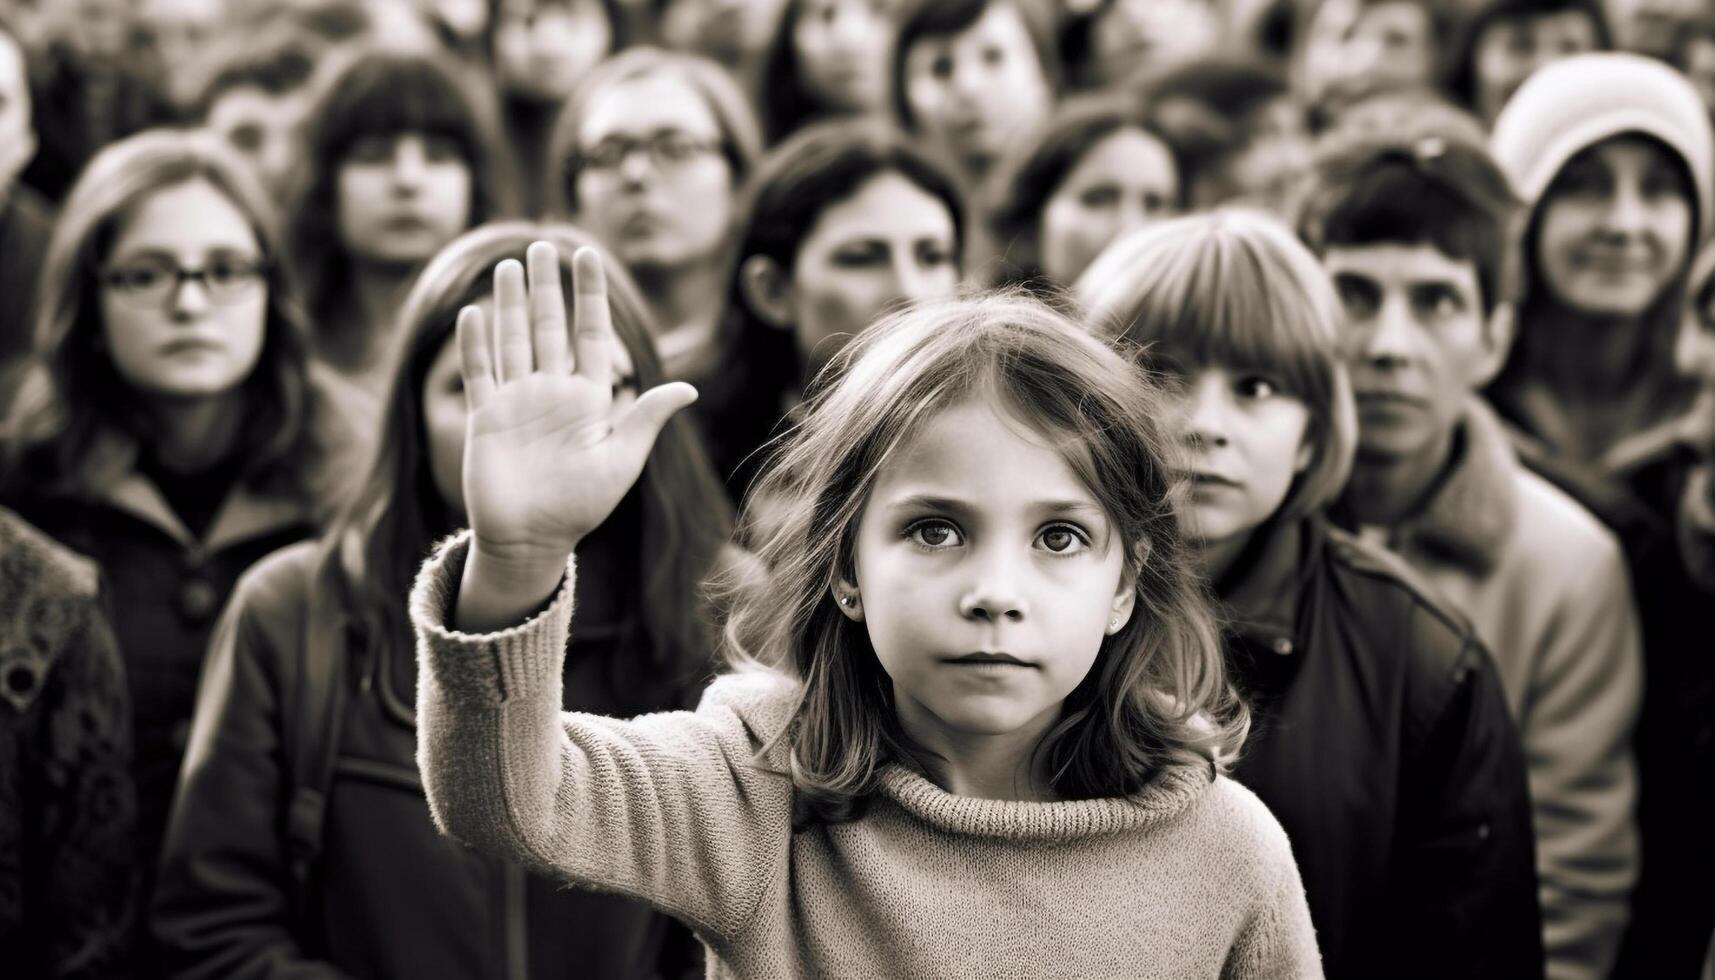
(1114, 625)
(848, 601)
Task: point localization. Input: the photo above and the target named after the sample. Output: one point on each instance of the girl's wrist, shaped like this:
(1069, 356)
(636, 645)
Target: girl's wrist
(499, 590)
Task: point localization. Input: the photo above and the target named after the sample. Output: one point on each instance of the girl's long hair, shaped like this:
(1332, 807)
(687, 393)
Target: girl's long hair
(76, 423)
(1157, 695)
(373, 90)
(397, 513)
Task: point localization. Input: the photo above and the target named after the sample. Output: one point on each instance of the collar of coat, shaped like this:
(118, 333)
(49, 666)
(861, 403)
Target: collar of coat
(245, 514)
(1259, 595)
(1470, 514)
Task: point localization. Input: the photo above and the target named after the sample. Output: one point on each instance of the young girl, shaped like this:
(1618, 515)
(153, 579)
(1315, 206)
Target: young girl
(403, 156)
(169, 429)
(1382, 740)
(1614, 155)
(828, 59)
(649, 154)
(843, 222)
(1099, 169)
(389, 893)
(989, 741)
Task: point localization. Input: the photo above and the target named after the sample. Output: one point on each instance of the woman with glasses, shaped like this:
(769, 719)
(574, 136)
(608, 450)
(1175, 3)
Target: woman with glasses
(649, 155)
(403, 157)
(168, 427)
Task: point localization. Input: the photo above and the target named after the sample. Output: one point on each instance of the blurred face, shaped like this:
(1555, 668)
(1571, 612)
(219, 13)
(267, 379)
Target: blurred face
(1509, 50)
(988, 575)
(1364, 43)
(465, 18)
(182, 28)
(1615, 228)
(1265, 168)
(1125, 181)
(17, 130)
(544, 47)
(842, 48)
(96, 28)
(653, 183)
(1132, 34)
(889, 244)
(174, 338)
(1651, 27)
(402, 196)
(978, 91)
(1244, 439)
(444, 411)
(263, 127)
(1417, 343)
(729, 31)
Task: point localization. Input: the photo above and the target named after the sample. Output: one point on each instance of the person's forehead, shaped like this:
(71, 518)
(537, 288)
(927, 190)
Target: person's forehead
(1001, 24)
(185, 218)
(253, 102)
(1401, 263)
(884, 205)
(647, 104)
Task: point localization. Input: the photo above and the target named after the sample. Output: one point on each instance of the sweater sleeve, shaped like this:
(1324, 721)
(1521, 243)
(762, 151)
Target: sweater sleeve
(1577, 724)
(674, 808)
(1278, 942)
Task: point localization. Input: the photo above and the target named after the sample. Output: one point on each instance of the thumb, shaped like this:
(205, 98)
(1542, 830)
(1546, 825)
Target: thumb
(644, 421)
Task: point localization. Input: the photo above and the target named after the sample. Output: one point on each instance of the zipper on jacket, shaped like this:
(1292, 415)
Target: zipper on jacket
(514, 905)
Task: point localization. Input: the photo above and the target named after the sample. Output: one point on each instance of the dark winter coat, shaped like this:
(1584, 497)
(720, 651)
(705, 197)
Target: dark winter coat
(1381, 741)
(390, 896)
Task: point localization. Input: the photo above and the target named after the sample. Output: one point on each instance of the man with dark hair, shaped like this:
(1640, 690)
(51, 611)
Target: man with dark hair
(1418, 234)
(254, 91)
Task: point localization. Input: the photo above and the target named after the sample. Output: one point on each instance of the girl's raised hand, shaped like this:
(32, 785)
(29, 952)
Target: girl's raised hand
(546, 456)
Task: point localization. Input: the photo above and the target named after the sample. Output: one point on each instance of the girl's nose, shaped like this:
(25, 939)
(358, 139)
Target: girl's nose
(1207, 409)
(995, 594)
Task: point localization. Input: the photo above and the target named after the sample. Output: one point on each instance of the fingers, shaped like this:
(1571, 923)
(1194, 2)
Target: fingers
(547, 309)
(642, 423)
(592, 326)
(512, 327)
(475, 363)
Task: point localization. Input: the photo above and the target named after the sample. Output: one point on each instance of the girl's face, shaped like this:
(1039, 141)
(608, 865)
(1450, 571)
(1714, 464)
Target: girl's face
(1244, 440)
(842, 48)
(1355, 44)
(263, 126)
(1510, 49)
(544, 47)
(888, 244)
(653, 183)
(977, 91)
(1615, 228)
(988, 575)
(179, 338)
(444, 410)
(402, 196)
(1125, 181)
(1157, 33)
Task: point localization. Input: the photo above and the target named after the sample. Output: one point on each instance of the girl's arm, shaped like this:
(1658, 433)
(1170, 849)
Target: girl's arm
(672, 808)
(669, 808)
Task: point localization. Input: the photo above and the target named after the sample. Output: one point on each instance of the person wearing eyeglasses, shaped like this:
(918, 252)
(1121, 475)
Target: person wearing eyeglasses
(649, 155)
(168, 428)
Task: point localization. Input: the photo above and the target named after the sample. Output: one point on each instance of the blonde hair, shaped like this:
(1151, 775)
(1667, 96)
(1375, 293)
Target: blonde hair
(1235, 288)
(1157, 695)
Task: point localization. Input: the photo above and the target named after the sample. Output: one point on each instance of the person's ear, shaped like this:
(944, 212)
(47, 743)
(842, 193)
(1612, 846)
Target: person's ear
(848, 599)
(767, 290)
(1498, 332)
(1306, 453)
(1125, 598)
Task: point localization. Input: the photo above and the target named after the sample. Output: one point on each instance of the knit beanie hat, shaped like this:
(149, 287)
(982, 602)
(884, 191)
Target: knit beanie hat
(1572, 104)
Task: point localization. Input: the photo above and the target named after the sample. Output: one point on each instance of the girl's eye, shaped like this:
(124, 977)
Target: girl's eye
(934, 535)
(861, 255)
(1063, 539)
(932, 254)
(1100, 196)
(1255, 387)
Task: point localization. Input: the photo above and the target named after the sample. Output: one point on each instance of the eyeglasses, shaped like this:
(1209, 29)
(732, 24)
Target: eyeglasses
(667, 150)
(152, 280)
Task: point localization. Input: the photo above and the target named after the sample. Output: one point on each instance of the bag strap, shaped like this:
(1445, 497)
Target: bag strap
(313, 723)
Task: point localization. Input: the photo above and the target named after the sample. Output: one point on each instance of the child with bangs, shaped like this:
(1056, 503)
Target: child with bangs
(1380, 738)
(977, 715)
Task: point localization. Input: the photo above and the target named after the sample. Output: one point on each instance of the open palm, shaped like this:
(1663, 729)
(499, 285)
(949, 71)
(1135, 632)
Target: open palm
(547, 458)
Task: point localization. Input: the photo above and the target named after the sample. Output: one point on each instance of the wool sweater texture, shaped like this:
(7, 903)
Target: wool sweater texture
(692, 812)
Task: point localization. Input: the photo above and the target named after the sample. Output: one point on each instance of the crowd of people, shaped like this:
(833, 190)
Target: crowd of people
(1086, 488)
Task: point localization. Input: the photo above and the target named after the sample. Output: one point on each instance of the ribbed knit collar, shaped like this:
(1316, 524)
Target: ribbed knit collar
(1171, 794)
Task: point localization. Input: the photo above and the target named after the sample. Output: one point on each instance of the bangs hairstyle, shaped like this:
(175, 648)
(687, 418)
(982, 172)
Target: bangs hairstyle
(1235, 289)
(1157, 695)
(1041, 167)
(396, 514)
(75, 419)
(379, 91)
(740, 135)
(929, 20)
(1436, 190)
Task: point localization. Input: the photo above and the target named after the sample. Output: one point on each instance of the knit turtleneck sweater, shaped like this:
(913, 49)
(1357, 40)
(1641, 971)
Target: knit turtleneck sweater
(692, 812)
